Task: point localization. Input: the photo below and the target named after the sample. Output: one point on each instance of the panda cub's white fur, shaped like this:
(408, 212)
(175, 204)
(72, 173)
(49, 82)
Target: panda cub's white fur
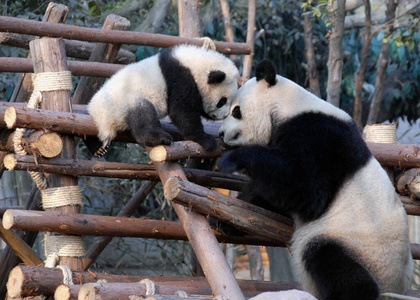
(185, 81)
(307, 160)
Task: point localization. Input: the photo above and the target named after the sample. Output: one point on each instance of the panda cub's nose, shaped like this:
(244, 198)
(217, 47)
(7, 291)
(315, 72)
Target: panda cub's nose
(221, 134)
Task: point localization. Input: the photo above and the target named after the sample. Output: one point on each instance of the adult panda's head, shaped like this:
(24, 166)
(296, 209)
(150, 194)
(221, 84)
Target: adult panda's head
(216, 77)
(250, 118)
(266, 101)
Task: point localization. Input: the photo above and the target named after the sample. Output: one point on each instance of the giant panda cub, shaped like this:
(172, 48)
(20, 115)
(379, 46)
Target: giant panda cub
(306, 159)
(184, 82)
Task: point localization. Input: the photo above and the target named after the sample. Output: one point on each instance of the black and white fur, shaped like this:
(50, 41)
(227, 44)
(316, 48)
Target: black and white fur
(184, 82)
(306, 159)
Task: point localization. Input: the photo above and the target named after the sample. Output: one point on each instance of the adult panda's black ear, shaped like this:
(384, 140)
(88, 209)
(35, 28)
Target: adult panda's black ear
(216, 77)
(266, 70)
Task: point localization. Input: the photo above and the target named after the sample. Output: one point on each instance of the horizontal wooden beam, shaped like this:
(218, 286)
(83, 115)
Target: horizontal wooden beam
(77, 68)
(71, 32)
(93, 225)
(28, 280)
(76, 49)
(96, 168)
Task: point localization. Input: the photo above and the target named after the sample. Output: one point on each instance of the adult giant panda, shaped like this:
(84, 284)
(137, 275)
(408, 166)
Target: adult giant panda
(306, 159)
(185, 81)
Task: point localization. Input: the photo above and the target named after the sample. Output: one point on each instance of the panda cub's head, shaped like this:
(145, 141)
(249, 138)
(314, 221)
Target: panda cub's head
(216, 77)
(265, 102)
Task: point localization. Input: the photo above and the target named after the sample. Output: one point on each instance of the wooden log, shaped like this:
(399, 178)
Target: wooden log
(397, 155)
(203, 241)
(42, 142)
(30, 280)
(55, 13)
(49, 56)
(77, 68)
(22, 26)
(409, 183)
(67, 292)
(238, 213)
(102, 52)
(98, 168)
(22, 250)
(81, 224)
(75, 49)
(181, 150)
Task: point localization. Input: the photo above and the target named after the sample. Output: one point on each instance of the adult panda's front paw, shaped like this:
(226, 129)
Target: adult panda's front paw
(230, 162)
(206, 141)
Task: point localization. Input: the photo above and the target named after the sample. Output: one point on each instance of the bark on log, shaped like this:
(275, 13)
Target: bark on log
(409, 183)
(397, 155)
(238, 213)
(102, 52)
(119, 170)
(77, 68)
(9, 24)
(75, 49)
(49, 56)
(29, 280)
(181, 150)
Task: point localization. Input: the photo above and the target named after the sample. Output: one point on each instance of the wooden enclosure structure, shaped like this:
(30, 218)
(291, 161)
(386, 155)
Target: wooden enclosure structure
(49, 148)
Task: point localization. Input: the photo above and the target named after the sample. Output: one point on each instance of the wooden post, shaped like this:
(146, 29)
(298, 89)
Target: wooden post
(49, 56)
(55, 13)
(250, 40)
(102, 52)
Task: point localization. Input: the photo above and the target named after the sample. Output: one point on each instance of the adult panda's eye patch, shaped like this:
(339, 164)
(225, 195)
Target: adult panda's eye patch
(222, 102)
(236, 112)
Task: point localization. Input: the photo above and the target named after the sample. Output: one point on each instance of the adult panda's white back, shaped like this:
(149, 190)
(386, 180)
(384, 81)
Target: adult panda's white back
(307, 160)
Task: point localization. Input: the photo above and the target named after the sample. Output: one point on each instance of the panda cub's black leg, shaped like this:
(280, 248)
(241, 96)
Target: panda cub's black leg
(145, 127)
(336, 272)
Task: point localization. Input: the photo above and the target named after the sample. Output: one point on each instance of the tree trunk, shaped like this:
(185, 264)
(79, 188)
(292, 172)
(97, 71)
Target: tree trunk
(250, 40)
(311, 68)
(360, 75)
(383, 59)
(335, 56)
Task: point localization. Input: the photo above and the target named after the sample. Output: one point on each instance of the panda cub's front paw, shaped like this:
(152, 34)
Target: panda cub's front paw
(206, 141)
(229, 162)
(158, 137)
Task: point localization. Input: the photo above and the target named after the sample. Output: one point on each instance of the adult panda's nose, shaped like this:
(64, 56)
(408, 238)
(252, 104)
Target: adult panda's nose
(221, 134)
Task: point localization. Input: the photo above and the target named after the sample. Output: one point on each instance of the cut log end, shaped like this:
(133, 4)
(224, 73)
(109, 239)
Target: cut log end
(62, 293)
(10, 117)
(88, 291)
(15, 283)
(10, 162)
(8, 219)
(171, 188)
(50, 145)
(158, 154)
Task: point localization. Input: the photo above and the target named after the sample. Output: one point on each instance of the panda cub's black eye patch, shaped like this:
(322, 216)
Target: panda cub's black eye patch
(236, 112)
(222, 102)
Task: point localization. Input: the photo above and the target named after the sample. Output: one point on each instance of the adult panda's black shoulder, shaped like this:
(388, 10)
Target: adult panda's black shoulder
(185, 82)
(306, 159)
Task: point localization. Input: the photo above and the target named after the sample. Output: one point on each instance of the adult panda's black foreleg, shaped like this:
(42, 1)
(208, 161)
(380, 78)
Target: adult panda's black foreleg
(336, 272)
(145, 126)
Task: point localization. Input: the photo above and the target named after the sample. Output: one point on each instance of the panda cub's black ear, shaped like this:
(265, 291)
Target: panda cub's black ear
(266, 70)
(216, 77)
